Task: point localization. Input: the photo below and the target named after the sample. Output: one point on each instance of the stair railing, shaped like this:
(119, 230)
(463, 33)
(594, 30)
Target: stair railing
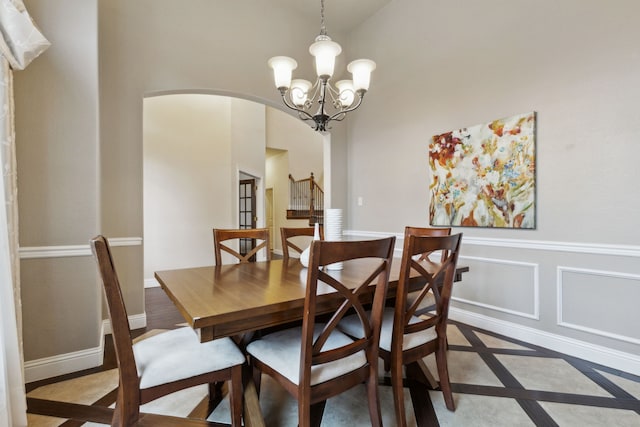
(306, 200)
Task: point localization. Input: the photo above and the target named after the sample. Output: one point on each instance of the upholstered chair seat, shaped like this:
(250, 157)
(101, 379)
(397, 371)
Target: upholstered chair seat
(351, 326)
(178, 354)
(281, 351)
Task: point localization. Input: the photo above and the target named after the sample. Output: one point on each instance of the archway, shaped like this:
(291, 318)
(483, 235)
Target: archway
(195, 148)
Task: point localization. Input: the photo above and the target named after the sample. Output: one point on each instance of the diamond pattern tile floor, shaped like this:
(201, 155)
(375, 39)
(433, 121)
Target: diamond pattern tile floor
(497, 381)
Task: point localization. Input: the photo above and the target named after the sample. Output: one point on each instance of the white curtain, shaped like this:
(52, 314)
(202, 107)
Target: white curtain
(20, 43)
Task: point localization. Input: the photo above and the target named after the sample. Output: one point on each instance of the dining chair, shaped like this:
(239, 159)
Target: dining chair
(164, 363)
(289, 241)
(428, 302)
(316, 361)
(406, 338)
(242, 236)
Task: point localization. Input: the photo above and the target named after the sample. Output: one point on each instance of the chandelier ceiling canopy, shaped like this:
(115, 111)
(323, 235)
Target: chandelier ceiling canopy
(333, 103)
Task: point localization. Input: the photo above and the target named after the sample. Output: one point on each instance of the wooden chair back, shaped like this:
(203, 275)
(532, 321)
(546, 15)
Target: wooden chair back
(446, 231)
(130, 395)
(261, 235)
(288, 233)
(439, 281)
(350, 289)
(328, 361)
(438, 278)
(128, 400)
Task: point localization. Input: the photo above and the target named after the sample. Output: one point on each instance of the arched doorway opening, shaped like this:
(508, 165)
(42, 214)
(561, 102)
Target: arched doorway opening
(196, 149)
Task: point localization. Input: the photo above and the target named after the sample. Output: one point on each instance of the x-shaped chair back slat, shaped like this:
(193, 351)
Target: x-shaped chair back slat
(224, 235)
(351, 289)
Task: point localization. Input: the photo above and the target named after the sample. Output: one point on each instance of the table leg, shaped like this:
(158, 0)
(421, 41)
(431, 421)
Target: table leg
(252, 412)
(419, 371)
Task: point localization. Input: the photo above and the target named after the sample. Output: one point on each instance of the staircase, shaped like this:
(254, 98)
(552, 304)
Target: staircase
(306, 200)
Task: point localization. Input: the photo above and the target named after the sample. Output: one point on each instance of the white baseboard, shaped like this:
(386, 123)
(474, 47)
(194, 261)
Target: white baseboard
(626, 362)
(151, 283)
(61, 364)
(48, 367)
(136, 321)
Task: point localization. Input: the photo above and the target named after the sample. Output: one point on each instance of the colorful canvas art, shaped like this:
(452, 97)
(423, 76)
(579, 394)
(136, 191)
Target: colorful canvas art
(484, 175)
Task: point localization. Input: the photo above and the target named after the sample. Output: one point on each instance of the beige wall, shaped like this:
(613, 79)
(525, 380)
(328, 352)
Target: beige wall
(447, 65)
(441, 65)
(187, 178)
(57, 139)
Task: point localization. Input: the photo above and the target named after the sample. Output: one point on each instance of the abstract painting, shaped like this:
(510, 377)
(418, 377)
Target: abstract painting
(484, 175)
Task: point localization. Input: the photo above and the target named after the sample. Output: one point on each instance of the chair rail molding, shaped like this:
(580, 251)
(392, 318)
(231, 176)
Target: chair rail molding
(543, 245)
(31, 252)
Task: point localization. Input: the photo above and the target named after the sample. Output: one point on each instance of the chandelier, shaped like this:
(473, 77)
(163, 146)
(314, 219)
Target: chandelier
(332, 103)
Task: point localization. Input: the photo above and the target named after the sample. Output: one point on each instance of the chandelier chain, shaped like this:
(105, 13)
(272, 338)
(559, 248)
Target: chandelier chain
(323, 30)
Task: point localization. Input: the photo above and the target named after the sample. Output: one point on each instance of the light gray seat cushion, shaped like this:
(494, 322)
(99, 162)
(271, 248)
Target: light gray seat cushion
(178, 354)
(351, 326)
(281, 351)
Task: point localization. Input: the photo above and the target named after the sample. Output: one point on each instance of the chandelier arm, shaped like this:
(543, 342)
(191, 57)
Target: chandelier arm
(337, 117)
(303, 114)
(348, 110)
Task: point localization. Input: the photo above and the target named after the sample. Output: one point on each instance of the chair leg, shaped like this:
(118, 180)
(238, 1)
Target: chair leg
(443, 373)
(316, 412)
(398, 393)
(373, 398)
(235, 396)
(215, 391)
(257, 378)
(126, 412)
(304, 414)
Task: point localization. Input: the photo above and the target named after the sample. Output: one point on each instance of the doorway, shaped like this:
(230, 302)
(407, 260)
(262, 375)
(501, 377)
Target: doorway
(247, 213)
(268, 197)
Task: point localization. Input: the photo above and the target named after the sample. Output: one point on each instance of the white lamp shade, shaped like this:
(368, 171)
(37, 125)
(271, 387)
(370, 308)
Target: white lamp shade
(299, 91)
(346, 92)
(361, 70)
(282, 66)
(325, 52)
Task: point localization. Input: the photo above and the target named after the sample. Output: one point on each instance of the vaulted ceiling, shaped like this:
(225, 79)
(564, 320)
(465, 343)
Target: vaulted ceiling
(340, 15)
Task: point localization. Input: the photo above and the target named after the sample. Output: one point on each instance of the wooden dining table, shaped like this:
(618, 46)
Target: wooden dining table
(237, 299)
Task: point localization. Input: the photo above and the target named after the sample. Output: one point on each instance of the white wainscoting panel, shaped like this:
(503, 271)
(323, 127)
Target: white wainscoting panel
(502, 285)
(599, 302)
